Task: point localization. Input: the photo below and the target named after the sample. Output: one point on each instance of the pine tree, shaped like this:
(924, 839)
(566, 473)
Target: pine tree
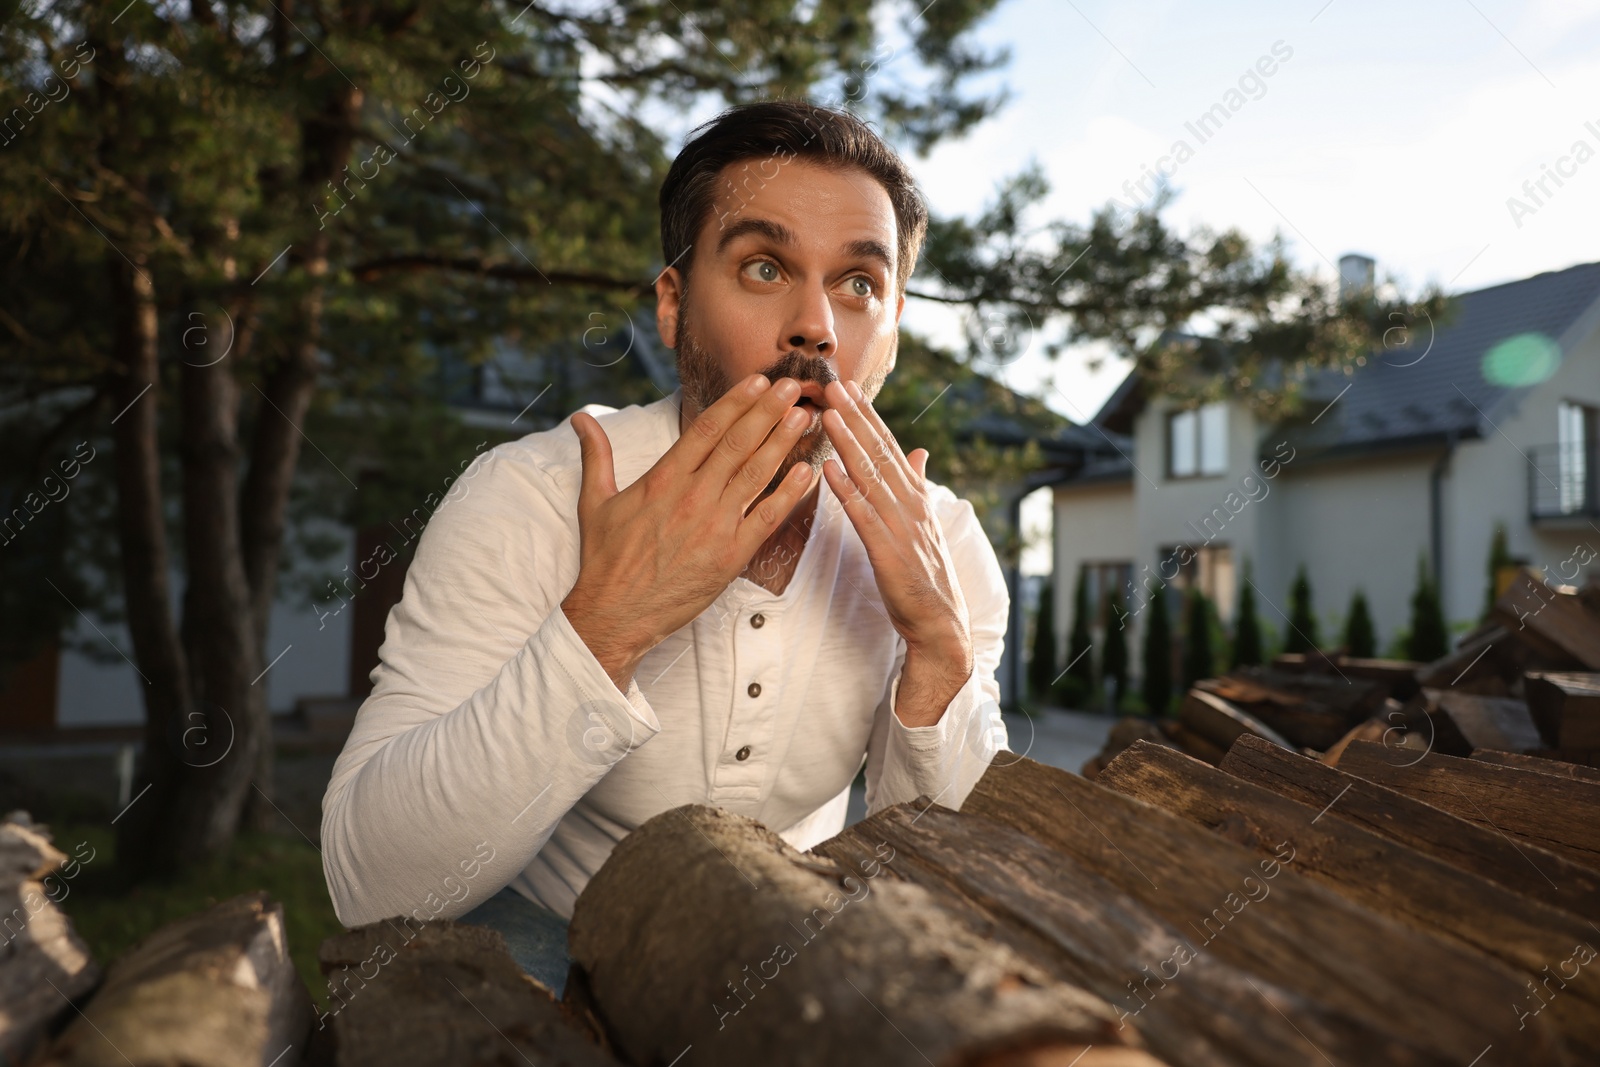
(1302, 619)
(1429, 638)
(1042, 667)
(1247, 630)
(1158, 655)
(1080, 664)
(1499, 556)
(1114, 655)
(1360, 639)
(1198, 658)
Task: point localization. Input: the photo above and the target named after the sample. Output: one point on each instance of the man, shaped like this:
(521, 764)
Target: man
(739, 595)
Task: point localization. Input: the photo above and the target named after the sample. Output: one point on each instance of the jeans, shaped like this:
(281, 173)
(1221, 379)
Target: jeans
(536, 935)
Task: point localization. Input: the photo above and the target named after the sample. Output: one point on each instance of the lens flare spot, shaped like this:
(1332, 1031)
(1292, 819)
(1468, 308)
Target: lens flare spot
(1524, 359)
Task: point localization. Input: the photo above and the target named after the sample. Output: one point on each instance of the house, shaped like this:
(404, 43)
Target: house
(1412, 453)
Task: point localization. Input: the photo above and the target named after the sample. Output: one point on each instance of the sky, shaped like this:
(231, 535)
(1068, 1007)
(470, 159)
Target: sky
(1399, 131)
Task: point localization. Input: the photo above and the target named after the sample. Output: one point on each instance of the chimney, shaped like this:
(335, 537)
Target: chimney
(1356, 275)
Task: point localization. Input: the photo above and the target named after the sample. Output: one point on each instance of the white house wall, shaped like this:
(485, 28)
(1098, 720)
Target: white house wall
(1093, 524)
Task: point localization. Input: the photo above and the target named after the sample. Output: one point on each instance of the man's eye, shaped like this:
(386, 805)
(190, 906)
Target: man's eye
(861, 286)
(762, 270)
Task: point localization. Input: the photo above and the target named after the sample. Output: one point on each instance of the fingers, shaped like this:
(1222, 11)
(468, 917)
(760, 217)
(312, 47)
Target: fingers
(768, 515)
(599, 476)
(752, 478)
(741, 440)
(919, 462)
(692, 447)
(890, 446)
(872, 460)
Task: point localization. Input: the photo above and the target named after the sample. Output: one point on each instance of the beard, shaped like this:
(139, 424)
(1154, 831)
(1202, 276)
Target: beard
(704, 383)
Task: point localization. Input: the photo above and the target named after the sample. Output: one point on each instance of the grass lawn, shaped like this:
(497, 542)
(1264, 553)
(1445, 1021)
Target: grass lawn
(112, 916)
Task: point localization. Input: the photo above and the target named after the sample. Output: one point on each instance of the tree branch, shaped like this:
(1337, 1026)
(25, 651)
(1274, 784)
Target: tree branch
(418, 263)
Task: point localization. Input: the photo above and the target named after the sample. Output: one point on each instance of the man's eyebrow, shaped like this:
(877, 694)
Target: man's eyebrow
(870, 248)
(775, 232)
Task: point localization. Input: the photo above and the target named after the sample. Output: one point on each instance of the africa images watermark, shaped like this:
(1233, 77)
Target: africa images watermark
(1537, 190)
(34, 103)
(783, 953)
(1210, 526)
(12, 525)
(1185, 953)
(1252, 85)
(432, 105)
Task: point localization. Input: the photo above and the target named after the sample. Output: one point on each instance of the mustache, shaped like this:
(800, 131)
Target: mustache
(800, 367)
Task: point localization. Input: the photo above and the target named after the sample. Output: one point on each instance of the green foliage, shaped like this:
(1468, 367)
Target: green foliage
(1042, 664)
(1157, 681)
(1303, 636)
(1429, 638)
(1360, 637)
(1080, 663)
(1199, 657)
(1114, 656)
(1247, 627)
(1499, 557)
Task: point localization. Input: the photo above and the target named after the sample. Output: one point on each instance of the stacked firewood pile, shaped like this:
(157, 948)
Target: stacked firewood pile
(1519, 684)
(1371, 863)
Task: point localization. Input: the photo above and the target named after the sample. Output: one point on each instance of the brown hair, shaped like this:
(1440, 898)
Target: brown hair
(779, 131)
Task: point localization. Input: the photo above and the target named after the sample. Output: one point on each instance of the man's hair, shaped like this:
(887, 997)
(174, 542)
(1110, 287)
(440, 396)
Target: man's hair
(776, 132)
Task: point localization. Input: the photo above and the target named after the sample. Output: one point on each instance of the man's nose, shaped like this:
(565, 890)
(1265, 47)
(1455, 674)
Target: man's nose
(809, 328)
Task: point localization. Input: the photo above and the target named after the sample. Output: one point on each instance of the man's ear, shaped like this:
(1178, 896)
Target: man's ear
(669, 301)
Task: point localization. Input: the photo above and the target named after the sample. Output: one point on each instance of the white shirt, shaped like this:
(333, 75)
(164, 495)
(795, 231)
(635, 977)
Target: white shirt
(494, 749)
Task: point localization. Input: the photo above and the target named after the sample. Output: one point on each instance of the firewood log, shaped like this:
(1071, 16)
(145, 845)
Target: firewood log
(1375, 872)
(1295, 933)
(1532, 871)
(1533, 761)
(1192, 1007)
(706, 936)
(1566, 707)
(1220, 722)
(1557, 814)
(212, 989)
(416, 994)
(1553, 622)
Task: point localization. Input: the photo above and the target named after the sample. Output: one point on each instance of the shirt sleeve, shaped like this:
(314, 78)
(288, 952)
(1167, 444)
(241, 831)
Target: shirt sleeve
(945, 760)
(489, 717)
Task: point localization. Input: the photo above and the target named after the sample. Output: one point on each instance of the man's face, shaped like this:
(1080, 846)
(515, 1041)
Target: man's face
(794, 276)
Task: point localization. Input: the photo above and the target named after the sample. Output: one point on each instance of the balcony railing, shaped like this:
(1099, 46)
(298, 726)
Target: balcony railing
(1563, 481)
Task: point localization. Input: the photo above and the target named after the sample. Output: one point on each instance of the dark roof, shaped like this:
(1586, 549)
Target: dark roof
(1423, 394)
(1498, 343)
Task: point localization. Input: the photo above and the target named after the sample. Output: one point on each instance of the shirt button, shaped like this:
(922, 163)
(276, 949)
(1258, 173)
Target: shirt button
(758, 620)
(743, 753)
(755, 689)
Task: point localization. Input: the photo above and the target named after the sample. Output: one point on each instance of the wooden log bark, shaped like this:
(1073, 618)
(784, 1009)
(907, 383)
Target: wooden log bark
(1536, 762)
(214, 988)
(43, 963)
(1300, 935)
(1557, 814)
(1566, 707)
(1220, 722)
(707, 939)
(1387, 877)
(1500, 723)
(1532, 871)
(1310, 710)
(418, 994)
(1193, 1008)
(1554, 622)
(1371, 730)
(1485, 656)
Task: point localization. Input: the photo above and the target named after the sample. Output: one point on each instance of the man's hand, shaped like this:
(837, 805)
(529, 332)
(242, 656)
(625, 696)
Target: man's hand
(658, 553)
(885, 495)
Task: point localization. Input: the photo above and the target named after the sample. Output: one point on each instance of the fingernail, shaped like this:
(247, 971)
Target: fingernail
(796, 418)
(757, 384)
(853, 389)
(788, 389)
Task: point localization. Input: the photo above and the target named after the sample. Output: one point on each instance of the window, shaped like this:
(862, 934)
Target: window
(1197, 441)
(1210, 567)
(1100, 579)
(1575, 441)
